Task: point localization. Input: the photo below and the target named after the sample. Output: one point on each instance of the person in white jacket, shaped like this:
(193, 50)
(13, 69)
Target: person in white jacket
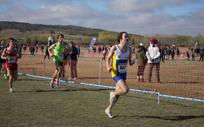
(153, 56)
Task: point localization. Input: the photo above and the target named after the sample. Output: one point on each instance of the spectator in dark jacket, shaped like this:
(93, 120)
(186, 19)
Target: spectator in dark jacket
(201, 54)
(73, 60)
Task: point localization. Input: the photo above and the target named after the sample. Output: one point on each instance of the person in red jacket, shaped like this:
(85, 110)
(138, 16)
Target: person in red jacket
(10, 55)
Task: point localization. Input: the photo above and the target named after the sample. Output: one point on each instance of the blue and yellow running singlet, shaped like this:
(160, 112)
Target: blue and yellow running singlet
(119, 65)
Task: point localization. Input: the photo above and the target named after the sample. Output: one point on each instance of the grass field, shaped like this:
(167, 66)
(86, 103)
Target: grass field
(178, 77)
(35, 105)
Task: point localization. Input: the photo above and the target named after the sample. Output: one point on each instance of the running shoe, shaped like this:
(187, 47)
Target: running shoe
(107, 111)
(11, 90)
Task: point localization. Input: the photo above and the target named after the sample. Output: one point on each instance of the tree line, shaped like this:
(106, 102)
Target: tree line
(28, 33)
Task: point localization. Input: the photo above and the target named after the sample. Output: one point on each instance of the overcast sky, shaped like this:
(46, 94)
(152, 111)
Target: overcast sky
(143, 17)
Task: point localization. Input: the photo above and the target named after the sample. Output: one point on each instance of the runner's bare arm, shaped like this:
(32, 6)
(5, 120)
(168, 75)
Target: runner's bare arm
(50, 50)
(110, 56)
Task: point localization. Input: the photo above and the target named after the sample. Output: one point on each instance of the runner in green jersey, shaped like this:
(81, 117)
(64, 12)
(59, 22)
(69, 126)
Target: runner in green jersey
(56, 51)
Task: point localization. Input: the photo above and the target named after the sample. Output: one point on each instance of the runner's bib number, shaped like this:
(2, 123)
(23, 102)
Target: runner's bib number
(122, 67)
(11, 59)
(61, 56)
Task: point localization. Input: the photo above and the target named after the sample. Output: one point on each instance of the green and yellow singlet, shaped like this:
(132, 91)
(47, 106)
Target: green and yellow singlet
(58, 53)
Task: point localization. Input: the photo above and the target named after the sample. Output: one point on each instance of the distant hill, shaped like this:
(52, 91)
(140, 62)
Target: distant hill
(69, 29)
(25, 32)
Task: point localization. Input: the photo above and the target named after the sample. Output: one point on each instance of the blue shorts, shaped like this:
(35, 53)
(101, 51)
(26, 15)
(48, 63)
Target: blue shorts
(117, 78)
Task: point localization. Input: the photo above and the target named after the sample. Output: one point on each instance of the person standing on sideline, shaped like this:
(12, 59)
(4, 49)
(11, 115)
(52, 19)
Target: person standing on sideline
(78, 49)
(3, 71)
(193, 54)
(2, 47)
(10, 55)
(153, 56)
(46, 53)
(120, 54)
(56, 51)
(141, 61)
(201, 54)
(73, 60)
(104, 52)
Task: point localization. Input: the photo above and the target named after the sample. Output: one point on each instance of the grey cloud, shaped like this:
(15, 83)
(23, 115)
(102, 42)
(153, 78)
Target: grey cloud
(5, 1)
(145, 5)
(144, 22)
(148, 23)
(56, 12)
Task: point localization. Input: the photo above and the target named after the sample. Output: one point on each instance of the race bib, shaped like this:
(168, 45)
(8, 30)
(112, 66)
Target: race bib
(122, 67)
(12, 59)
(61, 56)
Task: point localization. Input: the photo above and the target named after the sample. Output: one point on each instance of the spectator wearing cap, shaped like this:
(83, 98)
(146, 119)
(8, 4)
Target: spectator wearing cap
(141, 61)
(153, 56)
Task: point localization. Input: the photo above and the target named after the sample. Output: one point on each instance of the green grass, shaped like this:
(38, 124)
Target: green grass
(35, 105)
